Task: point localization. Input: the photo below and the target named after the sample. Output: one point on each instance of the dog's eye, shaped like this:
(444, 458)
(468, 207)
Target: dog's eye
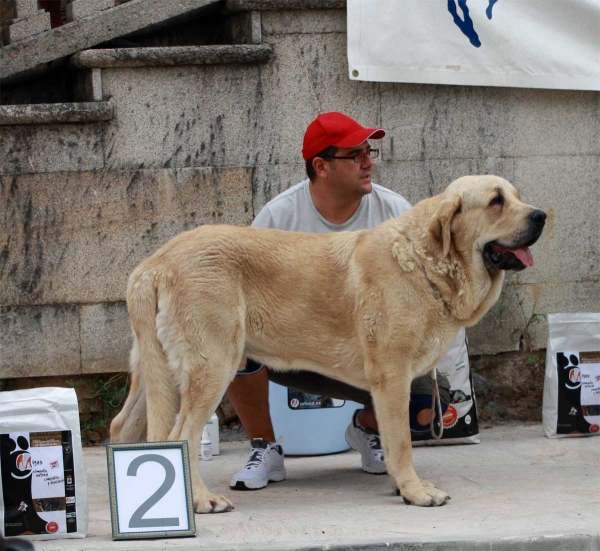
(498, 200)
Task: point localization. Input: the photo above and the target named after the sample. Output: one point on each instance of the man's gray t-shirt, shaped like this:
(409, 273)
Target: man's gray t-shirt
(294, 210)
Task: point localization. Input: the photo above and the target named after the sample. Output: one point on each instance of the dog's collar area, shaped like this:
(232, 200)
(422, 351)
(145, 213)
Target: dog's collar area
(421, 263)
(434, 288)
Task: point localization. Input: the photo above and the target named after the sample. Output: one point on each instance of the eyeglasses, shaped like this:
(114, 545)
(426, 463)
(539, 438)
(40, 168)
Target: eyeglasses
(357, 157)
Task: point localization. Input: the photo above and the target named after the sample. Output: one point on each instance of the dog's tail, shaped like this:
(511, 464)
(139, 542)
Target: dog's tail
(148, 360)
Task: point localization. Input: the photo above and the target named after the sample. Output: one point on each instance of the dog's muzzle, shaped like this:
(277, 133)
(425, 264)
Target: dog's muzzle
(516, 256)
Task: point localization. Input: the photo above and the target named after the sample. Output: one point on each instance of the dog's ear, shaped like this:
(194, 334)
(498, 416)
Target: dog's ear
(441, 223)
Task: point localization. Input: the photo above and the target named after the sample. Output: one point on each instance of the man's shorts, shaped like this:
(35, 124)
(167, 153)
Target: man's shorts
(313, 383)
(251, 367)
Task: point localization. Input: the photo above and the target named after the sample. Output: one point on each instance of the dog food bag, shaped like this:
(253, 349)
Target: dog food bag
(461, 425)
(572, 384)
(43, 490)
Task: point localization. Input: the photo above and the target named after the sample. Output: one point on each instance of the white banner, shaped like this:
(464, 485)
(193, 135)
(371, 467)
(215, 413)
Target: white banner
(521, 43)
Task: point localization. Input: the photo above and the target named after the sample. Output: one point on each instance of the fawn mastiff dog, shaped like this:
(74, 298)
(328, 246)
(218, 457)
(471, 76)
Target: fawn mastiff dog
(371, 308)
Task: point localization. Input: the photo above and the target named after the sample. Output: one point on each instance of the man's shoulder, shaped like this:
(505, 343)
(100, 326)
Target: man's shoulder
(290, 194)
(275, 213)
(390, 197)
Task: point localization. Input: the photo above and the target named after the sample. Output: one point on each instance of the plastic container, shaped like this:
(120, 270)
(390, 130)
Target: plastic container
(213, 433)
(206, 453)
(307, 424)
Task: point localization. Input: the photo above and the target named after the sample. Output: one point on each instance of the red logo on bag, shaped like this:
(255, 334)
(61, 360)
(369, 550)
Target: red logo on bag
(24, 462)
(594, 428)
(575, 375)
(450, 417)
(51, 527)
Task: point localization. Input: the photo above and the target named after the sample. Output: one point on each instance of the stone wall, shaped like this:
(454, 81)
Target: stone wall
(83, 203)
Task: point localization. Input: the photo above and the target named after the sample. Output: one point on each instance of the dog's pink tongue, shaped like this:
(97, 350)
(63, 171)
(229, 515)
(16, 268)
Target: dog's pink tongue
(523, 254)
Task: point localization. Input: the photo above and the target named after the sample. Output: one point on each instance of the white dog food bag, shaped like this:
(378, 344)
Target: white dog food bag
(43, 489)
(461, 425)
(571, 404)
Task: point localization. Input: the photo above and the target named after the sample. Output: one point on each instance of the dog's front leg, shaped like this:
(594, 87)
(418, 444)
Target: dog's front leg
(391, 398)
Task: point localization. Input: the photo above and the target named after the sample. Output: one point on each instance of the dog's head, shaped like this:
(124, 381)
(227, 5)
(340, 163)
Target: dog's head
(486, 214)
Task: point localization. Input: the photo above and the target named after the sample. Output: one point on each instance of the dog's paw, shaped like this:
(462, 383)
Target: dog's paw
(425, 484)
(425, 496)
(213, 503)
(440, 497)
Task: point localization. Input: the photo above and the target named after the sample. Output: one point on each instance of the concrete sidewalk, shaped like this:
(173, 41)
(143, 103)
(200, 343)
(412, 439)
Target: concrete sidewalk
(517, 490)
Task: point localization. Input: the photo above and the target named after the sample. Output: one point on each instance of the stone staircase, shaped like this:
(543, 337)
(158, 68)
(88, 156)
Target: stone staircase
(90, 22)
(31, 42)
(34, 49)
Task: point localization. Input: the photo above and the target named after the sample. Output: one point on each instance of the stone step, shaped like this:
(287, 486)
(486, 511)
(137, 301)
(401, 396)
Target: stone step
(173, 56)
(50, 113)
(236, 6)
(78, 9)
(97, 28)
(29, 26)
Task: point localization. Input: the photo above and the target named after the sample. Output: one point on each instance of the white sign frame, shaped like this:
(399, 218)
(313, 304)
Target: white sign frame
(161, 470)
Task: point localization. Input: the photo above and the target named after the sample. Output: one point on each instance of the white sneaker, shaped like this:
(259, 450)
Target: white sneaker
(264, 465)
(368, 443)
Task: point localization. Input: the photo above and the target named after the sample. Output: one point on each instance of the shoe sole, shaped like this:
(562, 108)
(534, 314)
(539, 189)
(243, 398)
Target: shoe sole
(354, 445)
(243, 485)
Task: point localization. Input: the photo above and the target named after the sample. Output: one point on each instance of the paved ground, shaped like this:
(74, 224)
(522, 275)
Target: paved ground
(517, 490)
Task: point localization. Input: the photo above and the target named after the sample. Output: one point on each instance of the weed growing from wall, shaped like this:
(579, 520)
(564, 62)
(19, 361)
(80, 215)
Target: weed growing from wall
(512, 303)
(100, 399)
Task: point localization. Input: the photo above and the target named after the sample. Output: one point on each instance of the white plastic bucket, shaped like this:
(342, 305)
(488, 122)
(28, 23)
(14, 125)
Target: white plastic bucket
(306, 428)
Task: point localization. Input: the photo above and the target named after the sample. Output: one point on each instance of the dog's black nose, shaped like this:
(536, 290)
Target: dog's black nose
(539, 217)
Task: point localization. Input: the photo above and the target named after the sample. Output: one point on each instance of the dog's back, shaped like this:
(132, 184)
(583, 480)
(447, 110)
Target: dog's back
(225, 288)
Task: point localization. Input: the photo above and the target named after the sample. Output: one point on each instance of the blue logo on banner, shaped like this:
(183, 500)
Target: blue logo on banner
(466, 24)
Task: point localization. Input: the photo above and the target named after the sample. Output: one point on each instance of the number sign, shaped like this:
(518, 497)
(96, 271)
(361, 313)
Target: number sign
(150, 490)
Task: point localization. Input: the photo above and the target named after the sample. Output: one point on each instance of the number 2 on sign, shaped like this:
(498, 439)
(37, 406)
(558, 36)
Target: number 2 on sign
(137, 520)
(134, 471)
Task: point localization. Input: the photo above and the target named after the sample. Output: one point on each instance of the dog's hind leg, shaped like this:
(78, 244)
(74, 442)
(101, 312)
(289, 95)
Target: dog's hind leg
(162, 396)
(206, 382)
(129, 424)
(146, 290)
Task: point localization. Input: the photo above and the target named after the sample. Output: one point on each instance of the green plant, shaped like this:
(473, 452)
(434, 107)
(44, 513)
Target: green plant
(100, 398)
(113, 391)
(522, 323)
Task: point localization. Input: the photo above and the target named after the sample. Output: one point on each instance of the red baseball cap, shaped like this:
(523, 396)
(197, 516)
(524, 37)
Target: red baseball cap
(338, 130)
